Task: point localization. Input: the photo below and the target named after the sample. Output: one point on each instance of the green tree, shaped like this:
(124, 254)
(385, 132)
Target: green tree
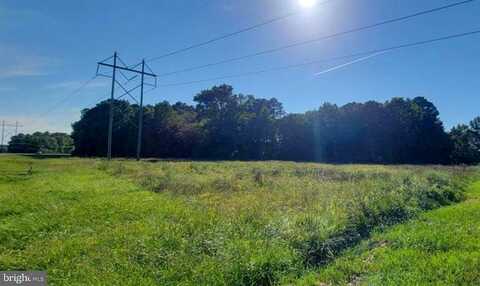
(90, 132)
(225, 125)
(41, 142)
(295, 138)
(465, 150)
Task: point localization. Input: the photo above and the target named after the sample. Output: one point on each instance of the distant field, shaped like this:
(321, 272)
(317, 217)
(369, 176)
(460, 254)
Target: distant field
(202, 223)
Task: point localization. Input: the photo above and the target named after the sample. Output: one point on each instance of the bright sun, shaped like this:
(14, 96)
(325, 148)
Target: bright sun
(307, 3)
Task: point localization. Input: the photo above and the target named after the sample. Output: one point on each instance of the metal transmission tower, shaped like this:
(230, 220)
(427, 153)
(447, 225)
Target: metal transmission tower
(117, 65)
(8, 125)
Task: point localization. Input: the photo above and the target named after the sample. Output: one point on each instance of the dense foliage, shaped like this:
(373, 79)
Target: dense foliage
(229, 126)
(41, 142)
(466, 140)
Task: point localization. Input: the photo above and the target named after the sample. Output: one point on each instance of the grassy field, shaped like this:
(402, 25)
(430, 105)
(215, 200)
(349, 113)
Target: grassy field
(207, 223)
(441, 247)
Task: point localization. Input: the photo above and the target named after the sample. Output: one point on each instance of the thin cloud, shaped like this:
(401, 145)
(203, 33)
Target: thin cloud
(74, 84)
(22, 71)
(349, 63)
(13, 17)
(19, 13)
(22, 64)
(7, 89)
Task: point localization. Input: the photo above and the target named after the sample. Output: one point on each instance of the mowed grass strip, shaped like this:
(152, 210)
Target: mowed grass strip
(201, 223)
(441, 247)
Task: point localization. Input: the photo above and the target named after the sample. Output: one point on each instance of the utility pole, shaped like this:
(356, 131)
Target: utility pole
(120, 67)
(140, 115)
(16, 128)
(112, 98)
(3, 132)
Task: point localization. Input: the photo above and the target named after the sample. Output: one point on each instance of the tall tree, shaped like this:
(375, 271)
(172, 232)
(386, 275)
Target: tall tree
(464, 149)
(295, 138)
(91, 131)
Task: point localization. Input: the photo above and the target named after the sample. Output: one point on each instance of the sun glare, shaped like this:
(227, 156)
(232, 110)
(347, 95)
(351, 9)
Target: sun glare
(307, 3)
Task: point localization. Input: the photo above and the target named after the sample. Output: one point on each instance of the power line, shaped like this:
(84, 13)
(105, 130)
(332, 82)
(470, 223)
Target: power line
(103, 98)
(360, 54)
(68, 96)
(296, 44)
(232, 34)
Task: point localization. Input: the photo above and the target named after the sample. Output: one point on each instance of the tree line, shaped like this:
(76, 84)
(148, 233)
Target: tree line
(223, 125)
(41, 142)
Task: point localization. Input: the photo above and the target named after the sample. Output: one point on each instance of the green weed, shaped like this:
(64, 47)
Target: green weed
(94, 222)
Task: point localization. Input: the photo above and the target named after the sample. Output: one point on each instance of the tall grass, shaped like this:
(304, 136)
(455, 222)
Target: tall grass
(202, 223)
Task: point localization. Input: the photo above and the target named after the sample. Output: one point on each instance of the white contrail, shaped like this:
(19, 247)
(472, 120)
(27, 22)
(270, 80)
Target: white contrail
(349, 63)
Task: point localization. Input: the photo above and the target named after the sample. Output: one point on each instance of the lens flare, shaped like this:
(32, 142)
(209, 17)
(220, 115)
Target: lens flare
(307, 3)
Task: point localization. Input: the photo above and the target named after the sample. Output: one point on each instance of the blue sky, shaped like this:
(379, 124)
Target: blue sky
(49, 48)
